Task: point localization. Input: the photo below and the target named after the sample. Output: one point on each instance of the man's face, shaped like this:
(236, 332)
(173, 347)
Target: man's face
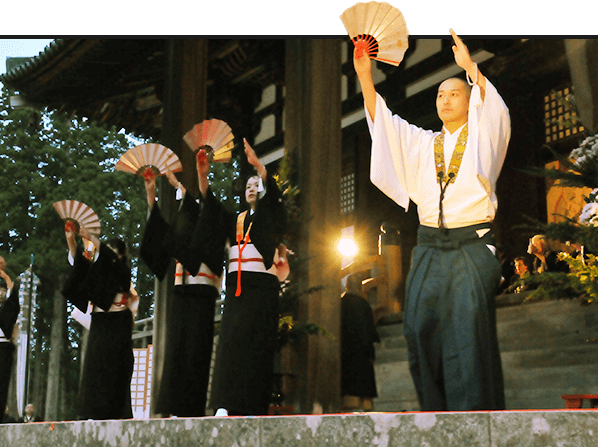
(452, 101)
(29, 409)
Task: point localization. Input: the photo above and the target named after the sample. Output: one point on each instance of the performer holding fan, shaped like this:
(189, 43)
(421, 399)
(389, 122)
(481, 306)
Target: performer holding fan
(245, 352)
(450, 310)
(105, 282)
(379, 30)
(190, 317)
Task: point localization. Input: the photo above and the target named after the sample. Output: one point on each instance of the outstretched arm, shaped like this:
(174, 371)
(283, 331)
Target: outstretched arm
(254, 161)
(203, 169)
(174, 181)
(6, 278)
(463, 60)
(363, 68)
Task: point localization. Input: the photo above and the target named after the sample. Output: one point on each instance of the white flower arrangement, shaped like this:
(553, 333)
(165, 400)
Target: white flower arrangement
(586, 152)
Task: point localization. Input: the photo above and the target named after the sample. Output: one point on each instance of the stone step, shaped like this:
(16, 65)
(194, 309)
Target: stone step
(448, 429)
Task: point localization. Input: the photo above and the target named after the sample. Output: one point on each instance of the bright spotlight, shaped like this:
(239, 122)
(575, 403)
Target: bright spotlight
(347, 247)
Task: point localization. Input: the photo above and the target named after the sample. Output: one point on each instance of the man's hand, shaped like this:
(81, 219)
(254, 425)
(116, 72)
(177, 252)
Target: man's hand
(363, 68)
(462, 57)
(463, 60)
(362, 62)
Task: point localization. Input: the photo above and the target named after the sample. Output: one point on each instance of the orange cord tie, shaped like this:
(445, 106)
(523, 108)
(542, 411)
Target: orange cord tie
(240, 225)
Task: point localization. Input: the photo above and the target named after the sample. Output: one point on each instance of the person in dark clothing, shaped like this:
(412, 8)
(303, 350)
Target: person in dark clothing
(9, 312)
(105, 281)
(243, 371)
(358, 335)
(190, 322)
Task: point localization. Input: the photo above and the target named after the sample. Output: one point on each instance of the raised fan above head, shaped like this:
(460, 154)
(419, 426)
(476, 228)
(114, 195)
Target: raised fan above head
(77, 215)
(379, 29)
(149, 159)
(215, 136)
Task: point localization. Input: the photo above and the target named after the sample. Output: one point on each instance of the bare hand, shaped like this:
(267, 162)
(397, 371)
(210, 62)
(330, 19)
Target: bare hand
(252, 157)
(462, 57)
(171, 178)
(362, 62)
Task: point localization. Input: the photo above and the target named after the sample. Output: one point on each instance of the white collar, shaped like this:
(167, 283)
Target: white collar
(456, 132)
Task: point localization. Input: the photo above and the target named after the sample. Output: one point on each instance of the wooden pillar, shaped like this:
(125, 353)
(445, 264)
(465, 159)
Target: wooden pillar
(184, 106)
(313, 137)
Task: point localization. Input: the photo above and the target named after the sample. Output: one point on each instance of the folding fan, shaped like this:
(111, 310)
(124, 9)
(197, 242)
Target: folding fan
(149, 159)
(77, 215)
(378, 28)
(215, 136)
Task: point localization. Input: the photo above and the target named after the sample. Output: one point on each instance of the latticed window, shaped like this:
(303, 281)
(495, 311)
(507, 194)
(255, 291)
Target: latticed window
(348, 193)
(560, 118)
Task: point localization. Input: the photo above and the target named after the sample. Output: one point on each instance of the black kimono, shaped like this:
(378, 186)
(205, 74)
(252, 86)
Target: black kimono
(243, 371)
(190, 323)
(9, 311)
(358, 335)
(105, 386)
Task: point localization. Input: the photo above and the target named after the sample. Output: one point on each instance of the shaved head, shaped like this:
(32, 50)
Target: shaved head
(451, 82)
(452, 103)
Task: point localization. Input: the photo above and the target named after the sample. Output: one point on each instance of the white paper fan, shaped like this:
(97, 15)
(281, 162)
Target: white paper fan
(76, 215)
(379, 28)
(215, 136)
(147, 159)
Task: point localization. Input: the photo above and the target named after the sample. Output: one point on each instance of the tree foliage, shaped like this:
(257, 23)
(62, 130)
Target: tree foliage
(46, 156)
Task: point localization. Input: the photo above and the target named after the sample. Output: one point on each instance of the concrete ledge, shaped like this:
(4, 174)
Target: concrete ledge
(565, 428)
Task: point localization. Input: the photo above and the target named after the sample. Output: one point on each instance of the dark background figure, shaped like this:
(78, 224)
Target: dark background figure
(546, 260)
(358, 335)
(30, 415)
(8, 419)
(9, 311)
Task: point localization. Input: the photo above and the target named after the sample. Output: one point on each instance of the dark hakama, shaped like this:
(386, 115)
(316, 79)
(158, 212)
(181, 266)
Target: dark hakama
(358, 335)
(9, 313)
(190, 317)
(188, 351)
(450, 321)
(108, 368)
(243, 370)
(105, 387)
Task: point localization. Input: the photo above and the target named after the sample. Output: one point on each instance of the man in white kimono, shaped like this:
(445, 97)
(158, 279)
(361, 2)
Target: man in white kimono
(450, 310)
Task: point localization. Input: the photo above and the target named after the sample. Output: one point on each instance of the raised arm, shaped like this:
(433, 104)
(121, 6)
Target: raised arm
(203, 169)
(463, 60)
(254, 161)
(363, 68)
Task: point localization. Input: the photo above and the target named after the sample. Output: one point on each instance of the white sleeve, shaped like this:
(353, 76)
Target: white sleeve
(395, 154)
(492, 127)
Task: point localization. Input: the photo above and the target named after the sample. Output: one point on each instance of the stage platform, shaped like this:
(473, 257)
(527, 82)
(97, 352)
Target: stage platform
(562, 428)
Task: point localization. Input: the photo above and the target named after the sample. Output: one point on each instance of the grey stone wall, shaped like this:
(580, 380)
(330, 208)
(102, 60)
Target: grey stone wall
(565, 428)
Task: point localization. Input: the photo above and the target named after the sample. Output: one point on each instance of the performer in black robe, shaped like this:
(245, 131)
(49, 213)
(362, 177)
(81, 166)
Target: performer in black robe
(9, 311)
(105, 387)
(243, 370)
(358, 335)
(190, 324)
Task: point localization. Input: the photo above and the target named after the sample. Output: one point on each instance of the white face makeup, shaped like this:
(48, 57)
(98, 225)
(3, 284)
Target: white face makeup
(251, 191)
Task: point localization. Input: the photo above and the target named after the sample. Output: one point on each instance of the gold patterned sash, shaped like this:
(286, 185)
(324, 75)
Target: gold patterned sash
(454, 166)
